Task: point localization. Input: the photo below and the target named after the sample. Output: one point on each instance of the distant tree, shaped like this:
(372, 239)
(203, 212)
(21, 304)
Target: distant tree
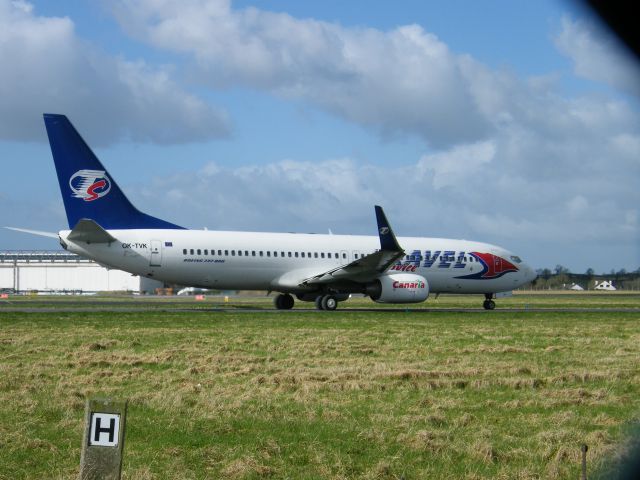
(560, 269)
(590, 272)
(622, 271)
(546, 273)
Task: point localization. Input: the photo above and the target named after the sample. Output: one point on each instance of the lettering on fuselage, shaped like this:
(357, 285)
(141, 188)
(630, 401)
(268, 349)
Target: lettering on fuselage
(490, 266)
(203, 260)
(134, 245)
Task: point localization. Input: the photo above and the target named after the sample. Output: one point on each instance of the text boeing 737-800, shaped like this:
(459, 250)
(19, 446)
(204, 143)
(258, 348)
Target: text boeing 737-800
(325, 269)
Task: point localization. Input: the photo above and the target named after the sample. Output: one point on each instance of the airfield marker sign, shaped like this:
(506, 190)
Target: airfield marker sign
(103, 441)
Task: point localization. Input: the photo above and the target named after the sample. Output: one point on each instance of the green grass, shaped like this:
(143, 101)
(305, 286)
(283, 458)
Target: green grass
(324, 394)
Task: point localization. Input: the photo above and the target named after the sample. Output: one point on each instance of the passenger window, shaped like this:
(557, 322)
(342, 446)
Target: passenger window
(315, 254)
(289, 254)
(239, 253)
(206, 252)
(344, 255)
(322, 255)
(220, 252)
(226, 252)
(301, 254)
(275, 254)
(336, 255)
(184, 251)
(268, 254)
(233, 253)
(191, 251)
(253, 253)
(261, 253)
(282, 254)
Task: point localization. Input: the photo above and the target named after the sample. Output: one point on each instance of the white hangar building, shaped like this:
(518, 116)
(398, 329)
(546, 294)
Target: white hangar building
(64, 272)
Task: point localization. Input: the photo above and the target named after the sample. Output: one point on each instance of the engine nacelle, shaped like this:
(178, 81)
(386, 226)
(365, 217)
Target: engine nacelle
(399, 288)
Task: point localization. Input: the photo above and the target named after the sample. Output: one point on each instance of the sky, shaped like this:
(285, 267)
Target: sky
(511, 122)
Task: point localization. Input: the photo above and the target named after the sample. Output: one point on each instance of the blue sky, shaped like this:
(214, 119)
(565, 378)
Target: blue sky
(515, 123)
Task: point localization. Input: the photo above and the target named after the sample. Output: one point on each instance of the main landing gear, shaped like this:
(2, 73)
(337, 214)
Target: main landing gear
(283, 301)
(489, 304)
(326, 302)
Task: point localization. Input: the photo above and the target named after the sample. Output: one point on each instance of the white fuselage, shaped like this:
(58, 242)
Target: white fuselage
(278, 261)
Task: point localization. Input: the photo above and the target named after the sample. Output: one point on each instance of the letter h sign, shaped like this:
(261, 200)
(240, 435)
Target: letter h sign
(105, 428)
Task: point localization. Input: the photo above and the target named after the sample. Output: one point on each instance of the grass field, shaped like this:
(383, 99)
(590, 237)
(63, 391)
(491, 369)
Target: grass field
(337, 395)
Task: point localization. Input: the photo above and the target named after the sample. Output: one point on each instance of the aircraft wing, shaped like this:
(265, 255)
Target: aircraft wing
(369, 266)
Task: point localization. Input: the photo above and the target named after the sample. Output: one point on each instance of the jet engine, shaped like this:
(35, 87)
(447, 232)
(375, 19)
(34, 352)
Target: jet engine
(399, 288)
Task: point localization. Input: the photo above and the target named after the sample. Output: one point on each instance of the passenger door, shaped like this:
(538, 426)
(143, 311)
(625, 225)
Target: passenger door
(156, 253)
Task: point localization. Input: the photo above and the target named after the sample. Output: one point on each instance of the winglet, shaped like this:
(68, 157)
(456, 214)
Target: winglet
(90, 232)
(387, 238)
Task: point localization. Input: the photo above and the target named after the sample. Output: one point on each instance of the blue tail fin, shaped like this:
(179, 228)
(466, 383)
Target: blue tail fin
(87, 189)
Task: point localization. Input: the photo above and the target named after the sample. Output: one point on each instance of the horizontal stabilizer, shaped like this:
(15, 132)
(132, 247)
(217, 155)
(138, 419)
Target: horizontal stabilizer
(34, 232)
(90, 232)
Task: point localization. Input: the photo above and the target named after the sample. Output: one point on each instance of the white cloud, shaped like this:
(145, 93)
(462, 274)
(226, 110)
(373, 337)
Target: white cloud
(403, 80)
(47, 68)
(598, 56)
(461, 162)
(436, 196)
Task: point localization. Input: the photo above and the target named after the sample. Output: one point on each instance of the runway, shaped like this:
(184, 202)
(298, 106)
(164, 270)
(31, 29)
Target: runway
(83, 307)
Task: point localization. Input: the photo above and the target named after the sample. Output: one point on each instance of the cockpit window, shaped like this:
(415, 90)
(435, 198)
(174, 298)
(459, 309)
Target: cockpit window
(516, 259)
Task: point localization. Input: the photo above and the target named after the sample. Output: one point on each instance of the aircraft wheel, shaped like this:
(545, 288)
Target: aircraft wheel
(329, 302)
(284, 301)
(319, 302)
(489, 305)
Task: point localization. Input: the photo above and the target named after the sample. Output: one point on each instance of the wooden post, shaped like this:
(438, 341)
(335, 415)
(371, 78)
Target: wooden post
(103, 440)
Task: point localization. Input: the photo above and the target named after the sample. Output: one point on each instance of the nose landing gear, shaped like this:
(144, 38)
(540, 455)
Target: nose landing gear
(489, 304)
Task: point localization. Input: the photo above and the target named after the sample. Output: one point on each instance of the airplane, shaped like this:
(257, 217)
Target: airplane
(104, 226)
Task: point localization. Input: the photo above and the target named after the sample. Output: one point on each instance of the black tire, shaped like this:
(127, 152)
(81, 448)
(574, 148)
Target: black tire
(319, 303)
(329, 302)
(287, 301)
(284, 301)
(489, 305)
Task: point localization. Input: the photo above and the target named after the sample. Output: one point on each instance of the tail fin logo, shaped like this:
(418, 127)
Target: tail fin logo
(89, 185)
